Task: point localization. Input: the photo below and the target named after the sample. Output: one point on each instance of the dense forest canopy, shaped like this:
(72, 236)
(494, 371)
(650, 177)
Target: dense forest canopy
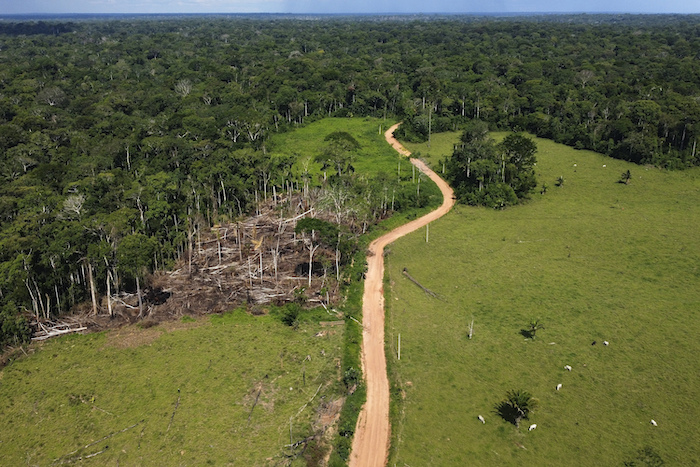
(135, 131)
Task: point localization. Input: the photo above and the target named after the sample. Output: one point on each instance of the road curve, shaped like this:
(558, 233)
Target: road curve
(370, 446)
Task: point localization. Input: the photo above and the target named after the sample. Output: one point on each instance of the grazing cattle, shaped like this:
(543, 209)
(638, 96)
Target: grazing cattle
(593, 343)
(653, 422)
(481, 419)
(567, 367)
(606, 342)
(532, 427)
(558, 386)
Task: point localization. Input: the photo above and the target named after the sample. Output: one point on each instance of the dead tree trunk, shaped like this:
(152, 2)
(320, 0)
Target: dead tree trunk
(93, 295)
(138, 293)
(426, 290)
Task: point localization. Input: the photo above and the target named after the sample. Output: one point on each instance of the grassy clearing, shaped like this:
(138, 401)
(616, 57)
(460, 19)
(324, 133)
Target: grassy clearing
(78, 389)
(594, 260)
(305, 143)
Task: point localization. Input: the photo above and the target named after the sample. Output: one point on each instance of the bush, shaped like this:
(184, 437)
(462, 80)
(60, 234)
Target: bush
(290, 314)
(14, 328)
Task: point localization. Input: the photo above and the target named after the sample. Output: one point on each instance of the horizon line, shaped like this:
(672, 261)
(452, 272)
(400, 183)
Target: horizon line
(475, 13)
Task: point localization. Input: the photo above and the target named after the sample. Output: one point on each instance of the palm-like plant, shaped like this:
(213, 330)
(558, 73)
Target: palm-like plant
(516, 406)
(626, 177)
(535, 325)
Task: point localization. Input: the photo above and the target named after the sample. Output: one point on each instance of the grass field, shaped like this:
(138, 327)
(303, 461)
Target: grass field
(374, 155)
(594, 260)
(184, 395)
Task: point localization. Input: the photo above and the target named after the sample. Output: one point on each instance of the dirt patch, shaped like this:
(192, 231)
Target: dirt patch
(136, 335)
(260, 397)
(328, 414)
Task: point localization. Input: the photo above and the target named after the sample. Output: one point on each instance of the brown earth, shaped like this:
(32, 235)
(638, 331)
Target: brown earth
(370, 445)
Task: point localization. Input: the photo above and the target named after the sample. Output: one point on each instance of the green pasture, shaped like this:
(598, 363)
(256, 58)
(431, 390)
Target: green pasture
(183, 396)
(594, 260)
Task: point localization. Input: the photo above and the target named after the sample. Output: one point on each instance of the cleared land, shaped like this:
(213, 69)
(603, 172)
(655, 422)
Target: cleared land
(218, 391)
(594, 260)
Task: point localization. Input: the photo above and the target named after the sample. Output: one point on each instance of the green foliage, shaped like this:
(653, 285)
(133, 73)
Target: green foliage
(350, 378)
(516, 406)
(343, 139)
(290, 314)
(531, 330)
(645, 457)
(338, 154)
(91, 151)
(135, 254)
(626, 177)
(494, 175)
(14, 328)
(327, 231)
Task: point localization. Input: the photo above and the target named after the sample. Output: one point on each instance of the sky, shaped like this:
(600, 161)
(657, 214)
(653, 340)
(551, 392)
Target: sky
(345, 6)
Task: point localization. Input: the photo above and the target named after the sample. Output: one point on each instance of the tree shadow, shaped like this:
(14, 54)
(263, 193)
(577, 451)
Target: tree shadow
(527, 333)
(507, 412)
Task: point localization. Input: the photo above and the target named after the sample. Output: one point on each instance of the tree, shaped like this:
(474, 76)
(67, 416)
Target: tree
(484, 173)
(626, 177)
(518, 162)
(516, 406)
(14, 328)
(327, 235)
(645, 457)
(532, 328)
(338, 153)
(135, 255)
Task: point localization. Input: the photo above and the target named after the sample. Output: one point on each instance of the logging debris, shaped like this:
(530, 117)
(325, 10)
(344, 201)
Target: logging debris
(253, 262)
(425, 289)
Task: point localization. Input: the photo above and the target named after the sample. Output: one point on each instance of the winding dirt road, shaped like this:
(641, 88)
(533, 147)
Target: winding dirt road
(370, 446)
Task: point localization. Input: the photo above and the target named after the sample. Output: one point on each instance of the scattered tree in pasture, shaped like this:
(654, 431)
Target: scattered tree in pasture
(531, 330)
(516, 406)
(626, 177)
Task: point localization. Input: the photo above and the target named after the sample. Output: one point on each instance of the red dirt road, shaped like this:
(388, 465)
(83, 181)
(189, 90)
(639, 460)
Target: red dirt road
(370, 446)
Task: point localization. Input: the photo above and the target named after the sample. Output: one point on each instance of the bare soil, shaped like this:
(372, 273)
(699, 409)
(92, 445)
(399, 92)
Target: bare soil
(370, 445)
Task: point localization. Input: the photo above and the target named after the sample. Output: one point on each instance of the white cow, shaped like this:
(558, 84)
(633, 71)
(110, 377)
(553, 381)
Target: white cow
(558, 386)
(653, 422)
(532, 427)
(481, 419)
(567, 367)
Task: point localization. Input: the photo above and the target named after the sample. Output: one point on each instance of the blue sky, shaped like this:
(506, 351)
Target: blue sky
(354, 6)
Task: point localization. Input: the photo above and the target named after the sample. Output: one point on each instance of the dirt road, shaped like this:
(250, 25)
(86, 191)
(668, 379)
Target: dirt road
(370, 446)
